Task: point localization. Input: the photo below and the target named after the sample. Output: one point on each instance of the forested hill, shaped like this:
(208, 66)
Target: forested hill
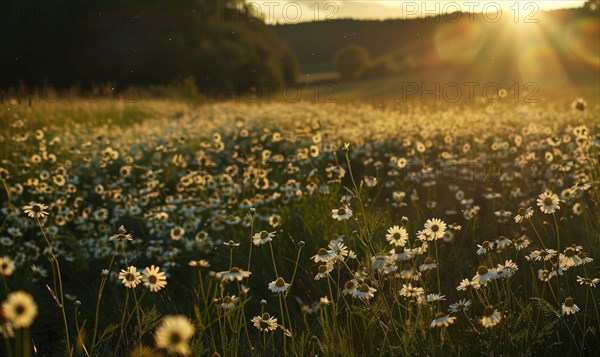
(567, 38)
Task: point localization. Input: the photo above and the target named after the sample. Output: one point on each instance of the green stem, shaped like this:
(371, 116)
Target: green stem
(99, 296)
(61, 298)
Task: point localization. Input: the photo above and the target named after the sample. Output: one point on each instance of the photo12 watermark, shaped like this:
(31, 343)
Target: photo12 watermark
(469, 92)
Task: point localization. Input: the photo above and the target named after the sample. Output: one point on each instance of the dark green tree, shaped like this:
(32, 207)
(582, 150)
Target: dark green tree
(220, 43)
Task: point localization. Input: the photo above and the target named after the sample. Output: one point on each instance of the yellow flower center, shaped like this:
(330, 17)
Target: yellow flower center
(489, 311)
(175, 338)
(569, 302)
(482, 270)
(280, 283)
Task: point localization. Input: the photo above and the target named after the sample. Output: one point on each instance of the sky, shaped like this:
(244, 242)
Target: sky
(294, 11)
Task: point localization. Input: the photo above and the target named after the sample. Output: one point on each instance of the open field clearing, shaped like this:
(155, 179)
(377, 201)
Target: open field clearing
(301, 229)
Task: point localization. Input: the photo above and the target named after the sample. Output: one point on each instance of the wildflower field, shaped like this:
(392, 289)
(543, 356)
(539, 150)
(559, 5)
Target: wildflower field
(161, 228)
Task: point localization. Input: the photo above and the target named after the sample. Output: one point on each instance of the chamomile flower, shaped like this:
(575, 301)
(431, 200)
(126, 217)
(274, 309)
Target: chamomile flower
(201, 263)
(569, 258)
(339, 249)
(38, 271)
(154, 279)
(7, 266)
(430, 298)
(569, 307)
(428, 264)
(234, 274)
(378, 262)
(435, 228)
(544, 254)
(484, 247)
(397, 236)
(231, 244)
(324, 301)
(407, 271)
(544, 275)
(228, 303)
(323, 256)
(350, 287)
(19, 309)
(508, 269)
(461, 305)
(588, 281)
(484, 275)
(409, 291)
(521, 242)
(502, 242)
(130, 277)
(265, 323)
(548, 202)
(401, 253)
(279, 285)
(121, 235)
(442, 320)
(491, 317)
(174, 334)
(523, 214)
(177, 233)
(36, 210)
(341, 213)
(323, 271)
(364, 292)
(262, 237)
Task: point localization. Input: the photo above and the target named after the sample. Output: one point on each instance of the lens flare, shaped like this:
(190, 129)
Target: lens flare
(582, 39)
(540, 64)
(459, 43)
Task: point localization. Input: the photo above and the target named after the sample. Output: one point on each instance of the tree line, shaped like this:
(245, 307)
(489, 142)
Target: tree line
(219, 43)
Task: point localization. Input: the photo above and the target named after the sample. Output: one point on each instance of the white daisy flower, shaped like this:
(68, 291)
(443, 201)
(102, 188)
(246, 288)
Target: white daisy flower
(491, 317)
(341, 213)
(523, 214)
(364, 292)
(36, 210)
(130, 277)
(442, 320)
(569, 307)
(484, 275)
(461, 305)
(262, 237)
(19, 309)
(548, 202)
(174, 334)
(278, 286)
(397, 236)
(435, 228)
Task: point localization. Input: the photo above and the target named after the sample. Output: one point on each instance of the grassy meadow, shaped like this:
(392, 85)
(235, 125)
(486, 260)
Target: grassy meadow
(166, 228)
